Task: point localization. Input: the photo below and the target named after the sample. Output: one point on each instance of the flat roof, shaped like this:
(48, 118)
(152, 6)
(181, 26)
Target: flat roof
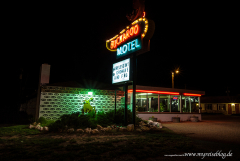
(150, 89)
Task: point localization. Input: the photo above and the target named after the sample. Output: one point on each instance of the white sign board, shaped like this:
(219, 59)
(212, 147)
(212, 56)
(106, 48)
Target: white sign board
(121, 71)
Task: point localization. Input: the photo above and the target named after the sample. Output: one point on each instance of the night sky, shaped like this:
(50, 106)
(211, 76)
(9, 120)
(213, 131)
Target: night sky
(199, 38)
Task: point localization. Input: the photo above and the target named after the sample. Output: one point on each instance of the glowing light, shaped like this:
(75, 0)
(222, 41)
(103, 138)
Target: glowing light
(144, 14)
(90, 93)
(191, 94)
(129, 47)
(134, 30)
(156, 92)
(232, 104)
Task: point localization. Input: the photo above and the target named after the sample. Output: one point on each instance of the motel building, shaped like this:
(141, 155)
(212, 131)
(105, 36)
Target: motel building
(166, 103)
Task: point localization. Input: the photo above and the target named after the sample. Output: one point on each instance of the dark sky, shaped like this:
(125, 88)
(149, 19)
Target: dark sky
(199, 38)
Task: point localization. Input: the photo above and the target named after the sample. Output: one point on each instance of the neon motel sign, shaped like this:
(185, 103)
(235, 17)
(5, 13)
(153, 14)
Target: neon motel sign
(129, 39)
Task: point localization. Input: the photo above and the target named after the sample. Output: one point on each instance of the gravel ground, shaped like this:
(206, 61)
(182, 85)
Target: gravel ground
(219, 128)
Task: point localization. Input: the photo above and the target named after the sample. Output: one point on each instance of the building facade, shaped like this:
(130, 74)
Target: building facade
(221, 104)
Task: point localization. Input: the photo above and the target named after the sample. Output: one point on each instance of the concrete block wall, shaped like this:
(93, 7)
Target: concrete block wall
(56, 101)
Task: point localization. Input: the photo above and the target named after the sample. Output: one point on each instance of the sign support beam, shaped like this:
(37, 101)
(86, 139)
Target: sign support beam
(134, 89)
(125, 102)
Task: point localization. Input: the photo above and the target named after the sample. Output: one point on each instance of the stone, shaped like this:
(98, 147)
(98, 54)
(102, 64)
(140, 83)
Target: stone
(150, 122)
(138, 130)
(142, 123)
(104, 129)
(157, 124)
(45, 128)
(130, 127)
(80, 130)
(41, 128)
(31, 126)
(109, 129)
(70, 130)
(145, 128)
(88, 130)
(122, 129)
(95, 131)
(99, 127)
(37, 127)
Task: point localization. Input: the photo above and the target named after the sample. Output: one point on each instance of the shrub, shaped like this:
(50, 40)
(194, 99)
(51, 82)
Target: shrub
(91, 119)
(44, 122)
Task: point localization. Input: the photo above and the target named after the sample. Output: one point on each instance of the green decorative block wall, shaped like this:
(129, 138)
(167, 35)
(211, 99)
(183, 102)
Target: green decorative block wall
(56, 101)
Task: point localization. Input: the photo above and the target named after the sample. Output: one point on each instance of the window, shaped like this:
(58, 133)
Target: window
(222, 107)
(208, 106)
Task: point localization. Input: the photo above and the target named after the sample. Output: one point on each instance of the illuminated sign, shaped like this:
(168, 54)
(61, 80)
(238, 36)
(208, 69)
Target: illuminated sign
(129, 47)
(138, 28)
(121, 71)
(175, 98)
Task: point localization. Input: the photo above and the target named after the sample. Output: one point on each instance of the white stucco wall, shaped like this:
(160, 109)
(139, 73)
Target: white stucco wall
(168, 117)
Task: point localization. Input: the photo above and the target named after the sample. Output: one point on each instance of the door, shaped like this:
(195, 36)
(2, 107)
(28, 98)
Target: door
(229, 109)
(237, 108)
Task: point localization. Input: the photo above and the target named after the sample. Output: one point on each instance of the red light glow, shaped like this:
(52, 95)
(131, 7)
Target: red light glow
(156, 92)
(191, 94)
(144, 14)
(134, 30)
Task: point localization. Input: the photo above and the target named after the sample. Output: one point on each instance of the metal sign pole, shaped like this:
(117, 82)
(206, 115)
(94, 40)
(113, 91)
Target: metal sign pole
(134, 89)
(125, 102)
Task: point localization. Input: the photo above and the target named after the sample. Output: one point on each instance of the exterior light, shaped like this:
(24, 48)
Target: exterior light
(232, 104)
(177, 71)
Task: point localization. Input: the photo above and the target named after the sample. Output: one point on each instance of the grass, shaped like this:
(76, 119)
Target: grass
(121, 146)
(17, 130)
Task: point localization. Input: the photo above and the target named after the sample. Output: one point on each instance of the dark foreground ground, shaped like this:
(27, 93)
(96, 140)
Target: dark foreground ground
(216, 133)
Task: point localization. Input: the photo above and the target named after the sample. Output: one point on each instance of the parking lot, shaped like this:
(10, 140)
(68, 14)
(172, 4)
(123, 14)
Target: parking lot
(217, 128)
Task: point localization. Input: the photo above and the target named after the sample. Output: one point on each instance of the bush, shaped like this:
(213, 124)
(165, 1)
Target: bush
(91, 119)
(44, 122)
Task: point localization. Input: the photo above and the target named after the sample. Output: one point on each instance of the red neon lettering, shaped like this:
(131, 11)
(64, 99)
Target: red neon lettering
(121, 38)
(131, 31)
(127, 34)
(112, 44)
(115, 43)
(117, 40)
(136, 29)
(124, 36)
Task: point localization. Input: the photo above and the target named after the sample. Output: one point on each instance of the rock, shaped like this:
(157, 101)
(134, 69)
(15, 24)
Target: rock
(95, 131)
(109, 129)
(142, 123)
(150, 122)
(37, 127)
(45, 128)
(80, 130)
(122, 129)
(88, 130)
(145, 128)
(138, 130)
(31, 126)
(70, 130)
(99, 127)
(41, 128)
(130, 127)
(157, 124)
(104, 129)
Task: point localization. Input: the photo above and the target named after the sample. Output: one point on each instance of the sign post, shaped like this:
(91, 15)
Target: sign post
(129, 43)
